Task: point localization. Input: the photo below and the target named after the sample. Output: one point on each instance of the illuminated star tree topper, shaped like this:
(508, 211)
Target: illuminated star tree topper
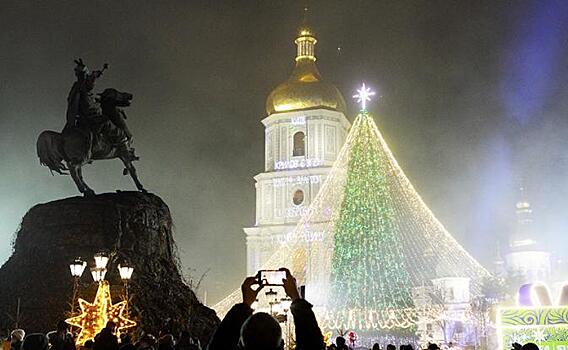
(363, 95)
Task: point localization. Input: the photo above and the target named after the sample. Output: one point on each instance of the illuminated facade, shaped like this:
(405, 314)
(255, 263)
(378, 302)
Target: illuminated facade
(304, 132)
(527, 258)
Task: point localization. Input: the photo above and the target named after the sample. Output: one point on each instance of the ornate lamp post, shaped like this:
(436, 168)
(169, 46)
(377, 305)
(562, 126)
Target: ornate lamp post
(101, 260)
(99, 271)
(125, 271)
(285, 304)
(95, 315)
(77, 268)
(273, 301)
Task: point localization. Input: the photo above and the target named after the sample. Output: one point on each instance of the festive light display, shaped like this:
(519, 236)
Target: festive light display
(94, 316)
(380, 241)
(367, 268)
(535, 319)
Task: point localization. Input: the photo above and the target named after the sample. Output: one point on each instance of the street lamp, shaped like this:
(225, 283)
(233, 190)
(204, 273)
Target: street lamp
(98, 273)
(125, 271)
(286, 303)
(77, 268)
(101, 260)
(272, 295)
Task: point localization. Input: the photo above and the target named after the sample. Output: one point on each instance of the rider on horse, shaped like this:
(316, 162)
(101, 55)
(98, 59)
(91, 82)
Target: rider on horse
(83, 110)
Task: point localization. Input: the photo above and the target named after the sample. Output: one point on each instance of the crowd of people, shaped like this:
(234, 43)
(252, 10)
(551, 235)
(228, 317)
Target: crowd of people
(240, 329)
(106, 339)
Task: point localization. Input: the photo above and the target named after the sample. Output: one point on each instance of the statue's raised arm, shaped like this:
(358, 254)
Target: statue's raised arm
(80, 101)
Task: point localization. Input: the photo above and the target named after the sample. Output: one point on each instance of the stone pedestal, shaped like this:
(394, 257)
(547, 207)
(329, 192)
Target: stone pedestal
(130, 226)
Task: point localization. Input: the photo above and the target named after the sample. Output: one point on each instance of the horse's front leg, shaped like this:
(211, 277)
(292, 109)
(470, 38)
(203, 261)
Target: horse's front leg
(132, 171)
(77, 175)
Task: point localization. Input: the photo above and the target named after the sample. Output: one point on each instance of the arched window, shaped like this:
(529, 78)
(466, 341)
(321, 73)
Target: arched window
(299, 144)
(298, 197)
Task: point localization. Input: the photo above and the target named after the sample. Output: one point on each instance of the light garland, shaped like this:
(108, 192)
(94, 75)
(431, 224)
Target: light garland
(380, 241)
(94, 316)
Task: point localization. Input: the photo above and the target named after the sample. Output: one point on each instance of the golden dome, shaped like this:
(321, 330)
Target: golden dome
(305, 89)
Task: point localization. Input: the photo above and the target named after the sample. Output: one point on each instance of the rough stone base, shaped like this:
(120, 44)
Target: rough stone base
(129, 225)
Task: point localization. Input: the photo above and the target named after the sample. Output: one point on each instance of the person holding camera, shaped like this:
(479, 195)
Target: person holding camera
(241, 329)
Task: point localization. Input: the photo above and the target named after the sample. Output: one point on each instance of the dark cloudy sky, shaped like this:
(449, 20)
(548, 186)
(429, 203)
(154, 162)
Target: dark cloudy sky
(474, 97)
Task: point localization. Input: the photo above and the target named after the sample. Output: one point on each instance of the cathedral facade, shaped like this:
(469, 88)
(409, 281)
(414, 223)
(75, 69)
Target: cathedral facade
(305, 129)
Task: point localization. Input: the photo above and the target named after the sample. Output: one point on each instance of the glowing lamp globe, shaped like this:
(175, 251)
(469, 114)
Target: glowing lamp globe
(125, 271)
(98, 273)
(101, 260)
(77, 267)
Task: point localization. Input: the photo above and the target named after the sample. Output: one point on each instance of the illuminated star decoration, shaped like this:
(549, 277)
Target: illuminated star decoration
(363, 95)
(94, 316)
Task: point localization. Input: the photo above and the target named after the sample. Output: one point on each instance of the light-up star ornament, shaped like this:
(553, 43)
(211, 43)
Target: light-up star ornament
(363, 95)
(94, 316)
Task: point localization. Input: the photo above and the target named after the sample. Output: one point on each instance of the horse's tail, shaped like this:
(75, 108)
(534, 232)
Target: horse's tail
(49, 151)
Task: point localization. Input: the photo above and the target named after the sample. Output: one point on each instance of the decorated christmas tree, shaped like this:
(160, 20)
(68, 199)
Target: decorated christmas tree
(368, 269)
(380, 241)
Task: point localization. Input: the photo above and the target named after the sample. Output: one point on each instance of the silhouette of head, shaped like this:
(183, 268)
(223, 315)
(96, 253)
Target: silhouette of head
(111, 326)
(261, 332)
(376, 346)
(340, 341)
(530, 346)
(62, 326)
(391, 347)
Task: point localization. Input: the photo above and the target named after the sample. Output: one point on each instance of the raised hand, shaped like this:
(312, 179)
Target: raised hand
(249, 294)
(290, 286)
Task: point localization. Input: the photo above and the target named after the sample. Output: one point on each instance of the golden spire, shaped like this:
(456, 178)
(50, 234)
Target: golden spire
(306, 41)
(304, 89)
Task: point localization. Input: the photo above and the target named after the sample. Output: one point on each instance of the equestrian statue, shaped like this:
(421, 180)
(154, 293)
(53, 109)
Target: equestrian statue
(95, 129)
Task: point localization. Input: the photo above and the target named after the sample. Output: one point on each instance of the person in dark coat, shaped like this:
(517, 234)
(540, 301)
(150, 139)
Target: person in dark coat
(147, 342)
(35, 341)
(126, 342)
(61, 339)
(166, 342)
(186, 342)
(341, 343)
(241, 327)
(106, 339)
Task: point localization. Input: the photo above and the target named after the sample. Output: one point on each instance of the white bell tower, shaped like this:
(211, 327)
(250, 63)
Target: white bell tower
(304, 132)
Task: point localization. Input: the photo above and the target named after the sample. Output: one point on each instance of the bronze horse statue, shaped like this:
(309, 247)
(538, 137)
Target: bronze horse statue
(98, 138)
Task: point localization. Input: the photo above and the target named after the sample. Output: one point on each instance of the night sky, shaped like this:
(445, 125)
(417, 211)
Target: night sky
(474, 99)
